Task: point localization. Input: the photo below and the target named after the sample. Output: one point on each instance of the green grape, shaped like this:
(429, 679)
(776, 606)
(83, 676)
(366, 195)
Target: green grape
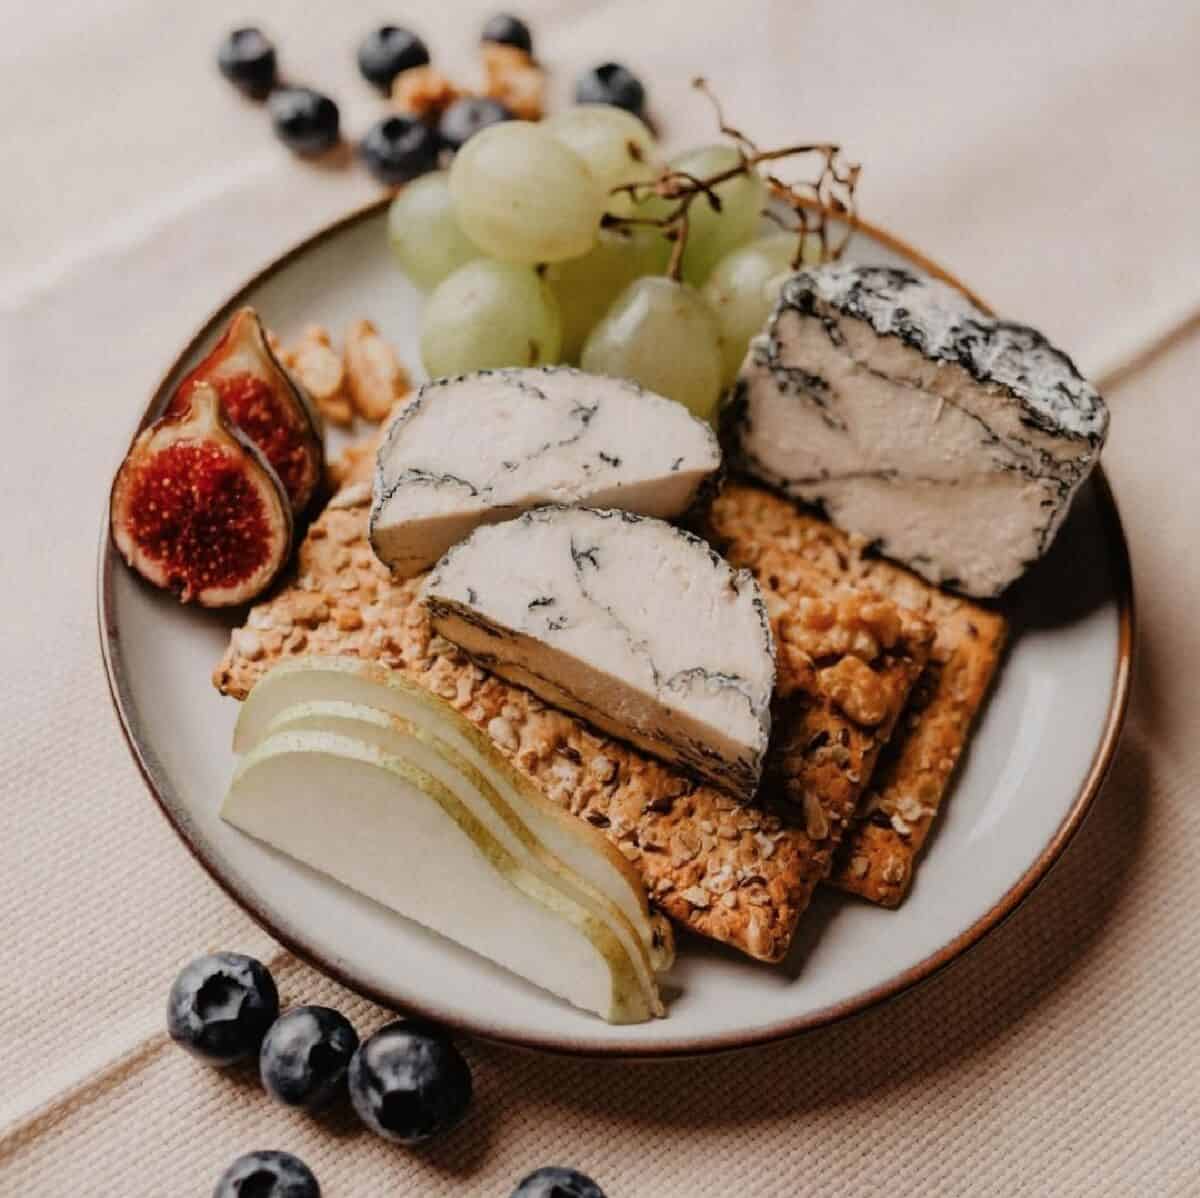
(586, 287)
(615, 146)
(424, 234)
(743, 287)
(522, 196)
(489, 314)
(712, 235)
(663, 335)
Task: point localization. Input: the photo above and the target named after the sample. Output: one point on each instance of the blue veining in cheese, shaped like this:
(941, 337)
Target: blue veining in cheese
(485, 447)
(632, 624)
(953, 440)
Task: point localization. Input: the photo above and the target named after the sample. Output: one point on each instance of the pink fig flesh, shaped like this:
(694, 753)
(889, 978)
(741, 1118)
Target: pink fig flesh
(264, 402)
(197, 510)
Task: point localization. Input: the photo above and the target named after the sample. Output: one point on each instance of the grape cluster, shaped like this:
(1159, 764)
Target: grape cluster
(536, 250)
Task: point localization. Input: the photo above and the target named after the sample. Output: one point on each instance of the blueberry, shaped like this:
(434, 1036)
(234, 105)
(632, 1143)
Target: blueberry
(220, 1007)
(556, 1182)
(611, 83)
(400, 148)
(508, 30)
(305, 1055)
(464, 118)
(388, 51)
(305, 120)
(246, 57)
(408, 1082)
(267, 1175)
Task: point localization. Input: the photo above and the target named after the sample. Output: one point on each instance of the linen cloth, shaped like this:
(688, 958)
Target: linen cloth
(1047, 154)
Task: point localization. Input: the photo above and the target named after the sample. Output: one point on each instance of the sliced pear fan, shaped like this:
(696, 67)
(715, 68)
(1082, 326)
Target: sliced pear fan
(368, 684)
(563, 908)
(393, 832)
(399, 737)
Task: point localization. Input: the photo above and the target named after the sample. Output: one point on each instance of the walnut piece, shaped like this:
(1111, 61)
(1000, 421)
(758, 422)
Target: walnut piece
(423, 92)
(377, 381)
(861, 624)
(317, 367)
(856, 689)
(513, 78)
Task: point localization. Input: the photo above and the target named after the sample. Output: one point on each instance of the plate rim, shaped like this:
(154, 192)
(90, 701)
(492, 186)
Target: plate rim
(155, 777)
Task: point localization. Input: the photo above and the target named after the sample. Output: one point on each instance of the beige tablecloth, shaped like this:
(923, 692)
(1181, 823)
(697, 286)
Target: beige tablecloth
(1048, 153)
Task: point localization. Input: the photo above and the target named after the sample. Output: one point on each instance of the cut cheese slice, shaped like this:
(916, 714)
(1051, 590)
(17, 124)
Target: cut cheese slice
(632, 624)
(485, 447)
(953, 441)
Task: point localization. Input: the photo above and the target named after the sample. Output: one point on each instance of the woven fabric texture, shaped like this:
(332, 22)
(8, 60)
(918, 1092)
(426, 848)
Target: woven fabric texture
(1049, 157)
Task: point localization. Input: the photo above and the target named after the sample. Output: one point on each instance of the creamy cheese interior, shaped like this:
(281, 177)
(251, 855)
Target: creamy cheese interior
(488, 446)
(632, 624)
(900, 442)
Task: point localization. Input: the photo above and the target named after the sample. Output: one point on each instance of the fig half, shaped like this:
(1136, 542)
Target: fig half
(196, 508)
(264, 402)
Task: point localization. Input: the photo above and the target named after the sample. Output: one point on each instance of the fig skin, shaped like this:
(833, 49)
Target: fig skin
(196, 508)
(263, 400)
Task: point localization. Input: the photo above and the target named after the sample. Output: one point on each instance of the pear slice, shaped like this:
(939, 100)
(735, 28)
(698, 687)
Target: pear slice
(649, 949)
(392, 831)
(369, 684)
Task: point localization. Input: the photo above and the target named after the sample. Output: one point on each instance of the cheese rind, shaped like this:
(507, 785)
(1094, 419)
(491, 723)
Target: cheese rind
(485, 447)
(634, 625)
(954, 441)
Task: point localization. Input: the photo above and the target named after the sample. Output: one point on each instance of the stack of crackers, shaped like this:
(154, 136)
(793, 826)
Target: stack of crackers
(881, 676)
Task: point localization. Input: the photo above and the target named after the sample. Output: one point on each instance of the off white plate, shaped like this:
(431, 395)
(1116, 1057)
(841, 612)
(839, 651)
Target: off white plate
(1034, 765)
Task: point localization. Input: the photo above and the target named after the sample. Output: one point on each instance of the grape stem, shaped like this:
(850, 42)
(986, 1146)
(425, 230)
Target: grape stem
(679, 244)
(816, 204)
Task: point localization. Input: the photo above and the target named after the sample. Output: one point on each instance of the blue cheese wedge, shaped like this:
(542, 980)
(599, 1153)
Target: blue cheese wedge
(953, 441)
(485, 447)
(638, 627)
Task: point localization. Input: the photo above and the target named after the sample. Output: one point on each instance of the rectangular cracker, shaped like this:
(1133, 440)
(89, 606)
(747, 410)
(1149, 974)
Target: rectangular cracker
(773, 537)
(736, 874)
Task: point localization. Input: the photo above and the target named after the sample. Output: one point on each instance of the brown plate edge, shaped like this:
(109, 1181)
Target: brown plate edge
(154, 776)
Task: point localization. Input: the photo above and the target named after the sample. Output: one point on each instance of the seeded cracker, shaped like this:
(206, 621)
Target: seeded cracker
(770, 535)
(736, 874)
